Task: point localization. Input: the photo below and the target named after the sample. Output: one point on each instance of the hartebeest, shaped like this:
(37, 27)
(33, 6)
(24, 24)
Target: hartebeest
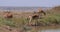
(8, 14)
(36, 15)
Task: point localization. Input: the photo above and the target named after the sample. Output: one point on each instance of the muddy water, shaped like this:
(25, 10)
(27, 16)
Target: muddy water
(49, 29)
(45, 29)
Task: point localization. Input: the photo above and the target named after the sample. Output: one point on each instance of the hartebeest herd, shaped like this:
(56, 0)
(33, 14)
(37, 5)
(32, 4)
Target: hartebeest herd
(35, 15)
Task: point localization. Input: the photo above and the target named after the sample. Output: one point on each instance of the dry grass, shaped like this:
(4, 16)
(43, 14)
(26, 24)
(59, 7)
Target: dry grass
(20, 19)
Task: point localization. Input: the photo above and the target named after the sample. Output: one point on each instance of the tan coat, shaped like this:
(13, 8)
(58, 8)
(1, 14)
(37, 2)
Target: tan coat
(8, 15)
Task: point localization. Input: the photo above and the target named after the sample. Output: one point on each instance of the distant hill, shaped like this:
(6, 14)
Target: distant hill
(23, 8)
(57, 8)
(54, 10)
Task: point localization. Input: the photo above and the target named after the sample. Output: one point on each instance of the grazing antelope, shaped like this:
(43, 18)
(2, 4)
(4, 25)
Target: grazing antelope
(36, 15)
(8, 15)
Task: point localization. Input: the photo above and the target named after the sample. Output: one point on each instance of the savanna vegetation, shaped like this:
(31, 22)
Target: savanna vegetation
(52, 17)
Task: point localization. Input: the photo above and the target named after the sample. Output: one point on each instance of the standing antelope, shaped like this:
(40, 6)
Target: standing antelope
(36, 15)
(8, 15)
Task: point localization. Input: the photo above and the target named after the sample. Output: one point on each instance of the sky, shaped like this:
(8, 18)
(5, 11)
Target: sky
(30, 3)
